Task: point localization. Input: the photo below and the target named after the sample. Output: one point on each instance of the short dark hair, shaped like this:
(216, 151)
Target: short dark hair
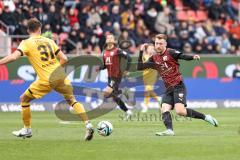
(33, 24)
(161, 36)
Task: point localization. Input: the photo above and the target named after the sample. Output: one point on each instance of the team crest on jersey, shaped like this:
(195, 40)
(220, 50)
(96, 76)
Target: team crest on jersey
(165, 58)
(180, 95)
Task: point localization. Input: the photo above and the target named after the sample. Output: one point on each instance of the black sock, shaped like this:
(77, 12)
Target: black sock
(167, 119)
(194, 114)
(121, 104)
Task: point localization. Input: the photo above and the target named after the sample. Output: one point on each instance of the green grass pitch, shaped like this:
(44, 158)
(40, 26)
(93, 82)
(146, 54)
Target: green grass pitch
(135, 139)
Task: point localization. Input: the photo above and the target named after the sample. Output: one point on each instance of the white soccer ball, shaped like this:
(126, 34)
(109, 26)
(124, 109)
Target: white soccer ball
(104, 128)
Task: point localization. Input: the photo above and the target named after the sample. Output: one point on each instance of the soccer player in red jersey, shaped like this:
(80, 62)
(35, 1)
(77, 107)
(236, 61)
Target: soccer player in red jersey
(165, 61)
(113, 57)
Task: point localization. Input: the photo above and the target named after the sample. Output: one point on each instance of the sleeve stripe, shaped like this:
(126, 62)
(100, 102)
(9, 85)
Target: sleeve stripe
(74, 103)
(56, 53)
(20, 51)
(30, 91)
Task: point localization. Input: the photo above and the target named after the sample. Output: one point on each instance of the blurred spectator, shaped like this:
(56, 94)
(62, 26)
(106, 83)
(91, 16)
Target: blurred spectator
(216, 10)
(8, 18)
(115, 14)
(139, 7)
(200, 32)
(82, 24)
(218, 28)
(238, 51)
(193, 4)
(156, 4)
(127, 20)
(73, 16)
(199, 47)
(150, 18)
(232, 12)
(187, 48)
(225, 44)
(124, 37)
(94, 18)
(173, 41)
(235, 30)
(162, 23)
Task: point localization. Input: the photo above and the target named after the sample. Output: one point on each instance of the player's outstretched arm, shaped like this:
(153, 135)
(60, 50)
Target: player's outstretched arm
(179, 55)
(11, 57)
(189, 57)
(62, 57)
(125, 55)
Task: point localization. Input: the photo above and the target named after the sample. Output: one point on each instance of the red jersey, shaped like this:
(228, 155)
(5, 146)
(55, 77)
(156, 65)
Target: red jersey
(112, 62)
(167, 65)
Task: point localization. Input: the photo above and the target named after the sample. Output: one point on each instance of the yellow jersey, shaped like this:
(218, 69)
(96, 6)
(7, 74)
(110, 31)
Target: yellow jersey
(149, 75)
(41, 53)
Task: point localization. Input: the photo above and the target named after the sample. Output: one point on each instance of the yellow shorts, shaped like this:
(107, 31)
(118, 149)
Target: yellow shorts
(39, 88)
(150, 77)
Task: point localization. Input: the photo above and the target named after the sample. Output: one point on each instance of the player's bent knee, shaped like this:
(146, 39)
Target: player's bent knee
(25, 98)
(70, 100)
(107, 91)
(180, 109)
(21, 98)
(106, 94)
(181, 112)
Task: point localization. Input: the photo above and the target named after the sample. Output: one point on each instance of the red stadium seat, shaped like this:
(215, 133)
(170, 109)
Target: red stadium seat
(235, 4)
(182, 15)
(178, 4)
(191, 14)
(201, 15)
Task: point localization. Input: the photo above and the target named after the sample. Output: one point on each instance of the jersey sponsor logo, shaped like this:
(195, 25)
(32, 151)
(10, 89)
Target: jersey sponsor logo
(180, 96)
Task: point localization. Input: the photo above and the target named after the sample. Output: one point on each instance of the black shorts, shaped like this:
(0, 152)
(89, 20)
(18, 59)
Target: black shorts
(114, 84)
(176, 94)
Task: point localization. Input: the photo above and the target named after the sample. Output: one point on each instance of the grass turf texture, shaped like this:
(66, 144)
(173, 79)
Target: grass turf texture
(194, 140)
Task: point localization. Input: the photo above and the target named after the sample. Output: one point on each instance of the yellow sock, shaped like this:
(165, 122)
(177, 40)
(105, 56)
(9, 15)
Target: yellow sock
(78, 107)
(26, 115)
(146, 99)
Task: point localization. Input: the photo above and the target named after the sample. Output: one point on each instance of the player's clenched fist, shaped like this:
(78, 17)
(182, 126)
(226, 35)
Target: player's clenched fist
(196, 57)
(143, 46)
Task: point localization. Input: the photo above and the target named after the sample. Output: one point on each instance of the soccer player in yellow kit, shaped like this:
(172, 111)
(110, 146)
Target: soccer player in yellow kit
(149, 77)
(43, 54)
